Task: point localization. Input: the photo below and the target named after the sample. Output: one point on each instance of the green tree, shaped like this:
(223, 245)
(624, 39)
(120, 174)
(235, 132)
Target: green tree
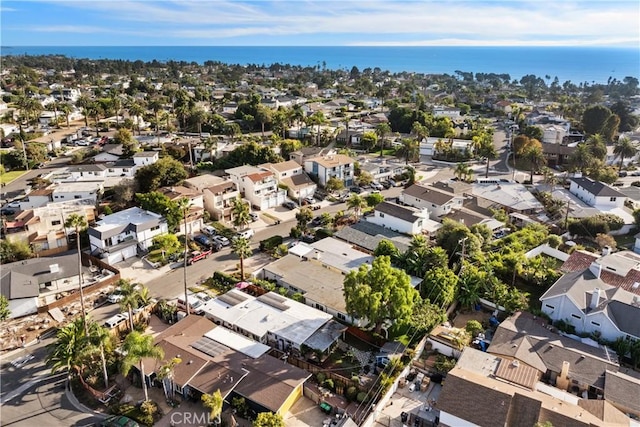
(159, 203)
(166, 376)
(427, 315)
(78, 223)
(356, 203)
(409, 150)
(128, 142)
(268, 419)
(382, 130)
(304, 217)
(241, 247)
(536, 159)
(130, 298)
(374, 199)
(463, 172)
(594, 119)
(12, 251)
(625, 149)
(165, 172)
(240, 213)
(69, 349)
(440, 285)
(334, 184)
(379, 292)
(100, 338)
(451, 237)
(473, 327)
(368, 140)
(136, 348)
(365, 178)
(4, 308)
(486, 150)
(386, 247)
(167, 243)
(214, 402)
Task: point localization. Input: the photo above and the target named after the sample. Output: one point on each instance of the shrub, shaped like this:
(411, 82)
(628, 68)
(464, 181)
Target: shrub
(270, 243)
(223, 282)
(351, 393)
(328, 383)
(320, 377)
(323, 233)
(474, 327)
(361, 397)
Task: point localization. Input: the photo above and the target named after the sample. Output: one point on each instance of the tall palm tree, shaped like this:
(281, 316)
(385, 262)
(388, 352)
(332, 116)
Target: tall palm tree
(65, 109)
(240, 213)
(410, 150)
(549, 178)
(242, 248)
(156, 105)
(136, 110)
(100, 338)
(165, 374)
(137, 347)
(536, 159)
(69, 348)
(356, 203)
(83, 102)
(625, 149)
(183, 206)
(211, 144)
(463, 171)
(130, 298)
(199, 116)
(420, 131)
(79, 223)
(382, 130)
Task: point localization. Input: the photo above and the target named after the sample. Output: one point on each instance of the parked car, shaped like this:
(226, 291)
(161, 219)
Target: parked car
(195, 304)
(386, 185)
(247, 234)
(202, 296)
(116, 296)
(356, 190)
(622, 174)
(203, 240)
(254, 216)
(7, 211)
(114, 321)
(310, 200)
(289, 205)
(209, 230)
(377, 186)
(118, 421)
(196, 256)
(221, 240)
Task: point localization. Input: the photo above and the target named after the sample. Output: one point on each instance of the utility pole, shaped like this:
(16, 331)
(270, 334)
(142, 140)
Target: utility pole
(463, 242)
(566, 216)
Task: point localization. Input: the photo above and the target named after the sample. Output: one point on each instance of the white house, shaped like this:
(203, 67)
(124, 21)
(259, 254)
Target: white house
(119, 236)
(291, 175)
(592, 306)
(196, 207)
(403, 219)
(91, 190)
(332, 166)
(218, 198)
(437, 201)
(258, 186)
(429, 146)
(596, 194)
(444, 111)
(145, 158)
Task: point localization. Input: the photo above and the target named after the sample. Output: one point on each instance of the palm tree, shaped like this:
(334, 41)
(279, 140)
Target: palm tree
(199, 116)
(211, 144)
(240, 213)
(83, 102)
(357, 203)
(214, 402)
(136, 110)
(156, 106)
(263, 116)
(549, 178)
(183, 206)
(242, 248)
(463, 171)
(79, 223)
(131, 298)
(69, 348)
(624, 148)
(137, 347)
(232, 130)
(420, 131)
(100, 337)
(536, 159)
(581, 159)
(382, 130)
(410, 150)
(65, 109)
(165, 374)
(485, 149)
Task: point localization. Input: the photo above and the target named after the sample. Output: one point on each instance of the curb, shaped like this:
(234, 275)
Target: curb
(79, 406)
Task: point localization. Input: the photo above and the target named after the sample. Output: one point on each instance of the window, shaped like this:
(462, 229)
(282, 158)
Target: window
(612, 199)
(575, 316)
(341, 316)
(157, 227)
(58, 222)
(77, 197)
(381, 214)
(596, 324)
(550, 306)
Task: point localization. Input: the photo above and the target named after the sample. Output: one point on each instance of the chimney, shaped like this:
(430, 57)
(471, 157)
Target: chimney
(606, 250)
(596, 269)
(595, 298)
(562, 381)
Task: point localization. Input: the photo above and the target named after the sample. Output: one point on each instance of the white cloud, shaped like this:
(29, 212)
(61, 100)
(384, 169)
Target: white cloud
(375, 22)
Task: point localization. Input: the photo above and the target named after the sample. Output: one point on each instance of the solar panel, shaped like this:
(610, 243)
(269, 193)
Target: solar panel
(209, 347)
(232, 298)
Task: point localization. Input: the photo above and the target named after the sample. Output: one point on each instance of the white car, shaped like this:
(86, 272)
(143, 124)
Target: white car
(115, 296)
(209, 230)
(247, 234)
(221, 240)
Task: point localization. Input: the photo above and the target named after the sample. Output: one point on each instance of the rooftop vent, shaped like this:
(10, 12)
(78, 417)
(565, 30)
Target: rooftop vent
(54, 268)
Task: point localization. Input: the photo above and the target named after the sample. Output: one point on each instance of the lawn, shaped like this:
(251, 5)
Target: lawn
(7, 177)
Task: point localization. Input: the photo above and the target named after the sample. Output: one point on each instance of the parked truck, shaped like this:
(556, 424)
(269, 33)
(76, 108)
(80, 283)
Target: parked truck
(196, 256)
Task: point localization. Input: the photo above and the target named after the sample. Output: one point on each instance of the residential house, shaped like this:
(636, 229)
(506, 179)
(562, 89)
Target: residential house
(381, 170)
(123, 234)
(429, 147)
(219, 199)
(258, 186)
(503, 106)
(145, 158)
(37, 198)
(403, 219)
(274, 320)
(553, 133)
(436, 200)
(365, 236)
(43, 227)
(121, 168)
(194, 220)
(508, 196)
(109, 153)
(91, 190)
(305, 153)
(332, 166)
(557, 154)
(218, 359)
(291, 175)
(33, 282)
(444, 111)
(87, 172)
(508, 393)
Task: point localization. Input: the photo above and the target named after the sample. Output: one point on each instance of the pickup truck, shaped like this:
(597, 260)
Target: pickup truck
(196, 256)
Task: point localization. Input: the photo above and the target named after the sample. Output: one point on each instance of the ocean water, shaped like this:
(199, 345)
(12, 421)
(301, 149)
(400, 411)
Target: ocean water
(575, 64)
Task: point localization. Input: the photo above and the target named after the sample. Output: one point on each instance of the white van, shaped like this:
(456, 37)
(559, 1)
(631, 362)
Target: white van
(247, 234)
(195, 304)
(114, 321)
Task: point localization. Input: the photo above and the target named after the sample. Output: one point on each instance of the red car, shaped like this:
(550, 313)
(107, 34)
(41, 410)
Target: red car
(196, 256)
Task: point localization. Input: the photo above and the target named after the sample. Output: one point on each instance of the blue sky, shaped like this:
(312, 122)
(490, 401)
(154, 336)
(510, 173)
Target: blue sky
(320, 23)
